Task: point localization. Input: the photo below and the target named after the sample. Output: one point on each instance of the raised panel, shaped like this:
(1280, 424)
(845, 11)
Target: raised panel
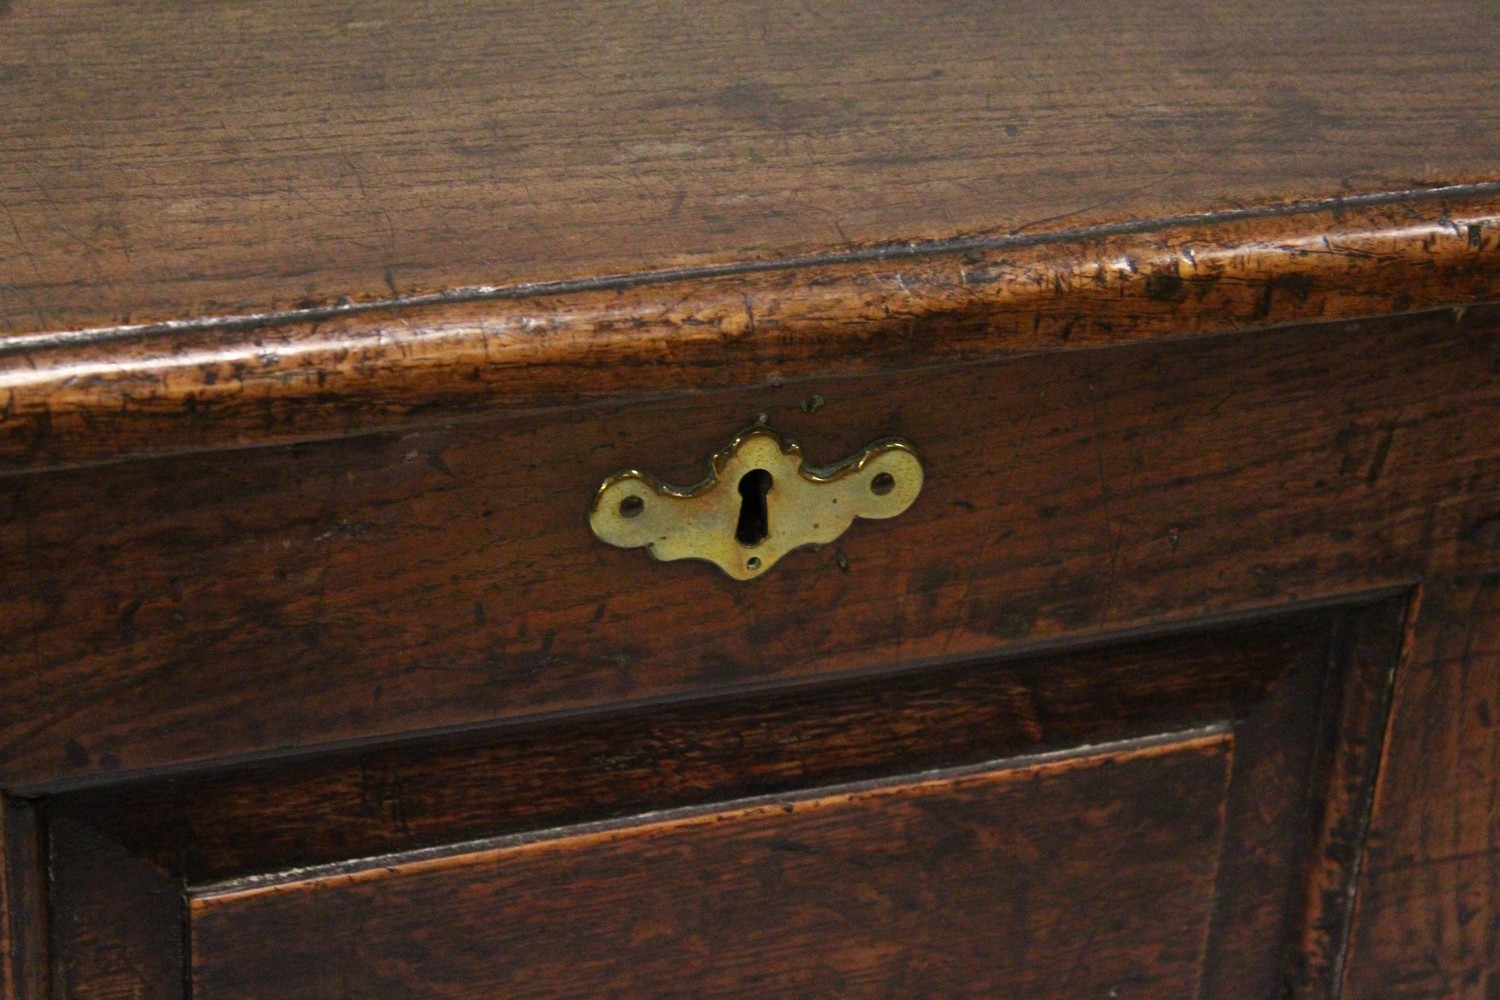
(1188, 803)
(1061, 879)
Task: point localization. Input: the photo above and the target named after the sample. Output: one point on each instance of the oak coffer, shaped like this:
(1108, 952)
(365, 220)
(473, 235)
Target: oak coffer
(777, 500)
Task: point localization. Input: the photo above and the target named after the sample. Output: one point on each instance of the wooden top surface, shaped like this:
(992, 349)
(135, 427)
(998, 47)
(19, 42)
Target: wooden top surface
(181, 160)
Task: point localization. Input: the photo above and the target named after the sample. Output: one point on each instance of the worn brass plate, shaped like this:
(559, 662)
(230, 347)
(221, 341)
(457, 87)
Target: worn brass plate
(760, 501)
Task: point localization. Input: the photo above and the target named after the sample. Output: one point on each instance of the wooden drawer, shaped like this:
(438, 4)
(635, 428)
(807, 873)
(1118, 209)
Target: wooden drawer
(275, 599)
(352, 688)
(317, 340)
(1137, 817)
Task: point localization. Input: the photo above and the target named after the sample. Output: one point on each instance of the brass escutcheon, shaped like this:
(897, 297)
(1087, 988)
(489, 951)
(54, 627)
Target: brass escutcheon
(760, 501)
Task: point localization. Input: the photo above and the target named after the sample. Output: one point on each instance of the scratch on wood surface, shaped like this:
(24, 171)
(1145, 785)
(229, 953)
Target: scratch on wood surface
(1387, 434)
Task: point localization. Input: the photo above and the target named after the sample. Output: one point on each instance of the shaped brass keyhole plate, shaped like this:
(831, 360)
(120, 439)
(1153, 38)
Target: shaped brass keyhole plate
(760, 501)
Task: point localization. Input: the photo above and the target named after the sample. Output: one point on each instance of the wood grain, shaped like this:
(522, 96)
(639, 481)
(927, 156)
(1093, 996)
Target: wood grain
(290, 155)
(1428, 920)
(1297, 692)
(285, 598)
(318, 326)
(24, 910)
(419, 794)
(92, 397)
(129, 944)
(1098, 880)
(1357, 712)
(1304, 771)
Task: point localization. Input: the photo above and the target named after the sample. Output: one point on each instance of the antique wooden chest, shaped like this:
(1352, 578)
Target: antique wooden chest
(772, 500)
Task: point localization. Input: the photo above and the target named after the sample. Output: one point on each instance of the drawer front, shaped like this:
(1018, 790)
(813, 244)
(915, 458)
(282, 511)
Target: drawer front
(1063, 879)
(276, 599)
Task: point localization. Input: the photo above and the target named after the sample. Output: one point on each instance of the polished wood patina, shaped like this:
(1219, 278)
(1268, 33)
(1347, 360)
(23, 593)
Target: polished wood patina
(321, 326)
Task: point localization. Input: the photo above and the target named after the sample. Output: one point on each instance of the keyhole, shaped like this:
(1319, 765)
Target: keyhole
(754, 525)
